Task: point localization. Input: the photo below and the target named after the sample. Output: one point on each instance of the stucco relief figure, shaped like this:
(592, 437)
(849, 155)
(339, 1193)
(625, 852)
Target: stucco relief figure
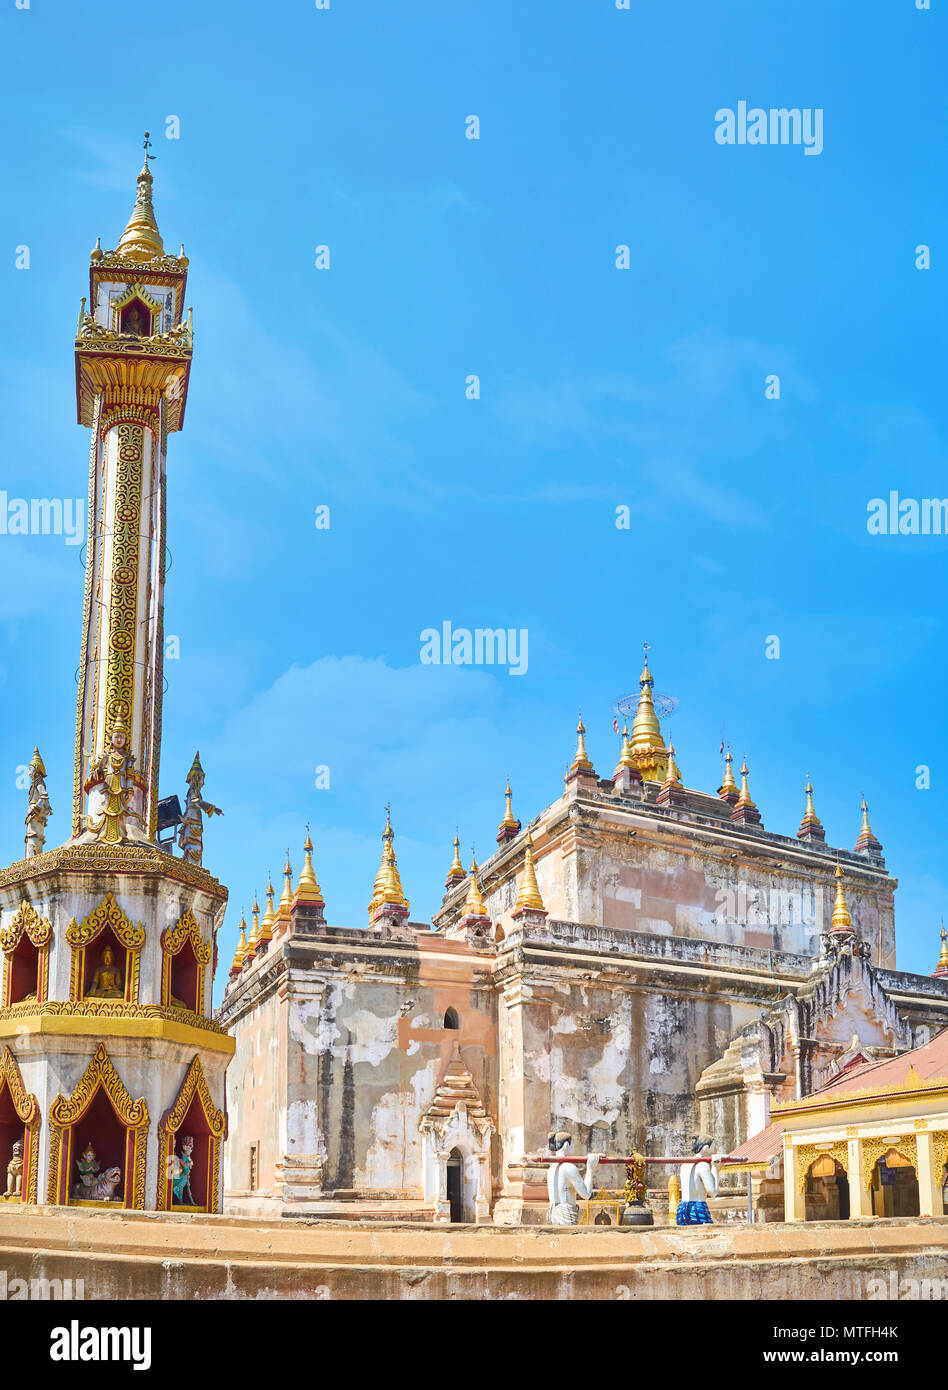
(699, 1181)
(39, 810)
(15, 1171)
(564, 1184)
(115, 801)
(107, 981)
(88, 1166)
(191, 829)
(181, 1165)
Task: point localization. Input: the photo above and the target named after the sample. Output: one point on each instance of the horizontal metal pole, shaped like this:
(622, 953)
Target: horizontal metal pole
(582, 1158)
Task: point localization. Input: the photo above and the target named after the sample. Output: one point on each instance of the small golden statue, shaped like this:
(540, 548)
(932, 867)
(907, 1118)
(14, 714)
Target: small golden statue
(191, 829)
(107, 981)
(115, 769)
(15, 1171)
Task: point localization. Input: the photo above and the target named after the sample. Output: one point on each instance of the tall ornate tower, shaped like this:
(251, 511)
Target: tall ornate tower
(111, 1065)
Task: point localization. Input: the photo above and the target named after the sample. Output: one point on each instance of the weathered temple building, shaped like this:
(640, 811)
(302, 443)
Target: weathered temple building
(641, 960)
(111, 1063)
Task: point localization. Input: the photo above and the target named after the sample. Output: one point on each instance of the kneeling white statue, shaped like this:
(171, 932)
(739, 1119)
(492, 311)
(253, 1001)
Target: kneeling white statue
(564, 1184)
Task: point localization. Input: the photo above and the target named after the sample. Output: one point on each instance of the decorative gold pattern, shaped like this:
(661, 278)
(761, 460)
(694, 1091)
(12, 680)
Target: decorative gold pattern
(807, 1154)
(108, 1009)
(172, 942)
(911, 1083)
(28, 920)
(65, 1112)
(113, 859)
(873, 1149)
(123, 600)
(79, 766)
(27, 1109)
(130, 935)
(940, 1150)
(195, 1083)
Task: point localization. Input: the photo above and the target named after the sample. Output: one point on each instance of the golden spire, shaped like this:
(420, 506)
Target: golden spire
(942, 967)
(473, 903)
(388, 889)
(286, 897)
(255, 930)
(308, 890)
(625, 757)
(240, 955)
(141, 240)
(647, 744)
(509, 821)
(841, 921)
(269, 917)
(867, 839)
(672, 776)
(456, 871)
(727, 791)
(581, 759)
(744, 800)
(811, 823)
(529, 897)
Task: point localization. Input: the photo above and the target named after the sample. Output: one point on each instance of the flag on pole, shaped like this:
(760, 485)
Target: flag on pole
(721, 749)
(615, 725)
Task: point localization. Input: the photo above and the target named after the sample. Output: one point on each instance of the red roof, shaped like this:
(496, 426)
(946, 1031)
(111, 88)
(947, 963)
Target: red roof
(930, 1063)
(760, 1148)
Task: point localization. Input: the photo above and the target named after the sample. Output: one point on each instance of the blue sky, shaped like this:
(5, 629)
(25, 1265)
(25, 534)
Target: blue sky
(599, 387)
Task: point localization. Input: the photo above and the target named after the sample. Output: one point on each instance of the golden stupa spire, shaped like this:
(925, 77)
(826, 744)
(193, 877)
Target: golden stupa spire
(811, 825)
(286, 897)
(625, 756)
(308, 890)
(269, 917)
(942, 967)
(647, 743)
(841, 921)
(744, 800)
(456, 871)
(528, 898)
(141, 240)
(581, 758)
(473, 903)
(509, 821)
(673, 775)
(867, 840)
(388, 891)
(255, 929)
(727, 791)
(242, 951)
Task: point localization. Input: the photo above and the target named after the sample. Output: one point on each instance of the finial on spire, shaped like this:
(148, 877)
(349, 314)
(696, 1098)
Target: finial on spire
(141, 240)
(867, 842)
(581, 762)
(727, 791)
(646, 743)
(456, 872)
(745, 811)
(811, 827)
(473, 903)
(529, 898)
(388, 896)
(841, 921)
(942, 967)
(509, 826)
(308, 890)
(672, 793)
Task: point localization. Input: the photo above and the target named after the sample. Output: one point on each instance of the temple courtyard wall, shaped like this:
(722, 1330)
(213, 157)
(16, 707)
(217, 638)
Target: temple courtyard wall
(140, 1255)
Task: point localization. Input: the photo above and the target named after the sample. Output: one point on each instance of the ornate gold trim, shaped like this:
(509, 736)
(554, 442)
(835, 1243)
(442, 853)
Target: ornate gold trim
(807, 1154)
(195, 1083)
(113, 859)
(911, 1084)
(874, 1147)
(91, 533)
(172, 942)
(28, 1112)
(109, 1009)
(133, 290)
(64, 1113)
(38, 931)
(130, 935)
(940, 1150)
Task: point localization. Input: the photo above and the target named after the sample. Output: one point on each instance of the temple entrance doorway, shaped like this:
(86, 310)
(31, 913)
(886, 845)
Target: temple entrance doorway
(455, 1185)
(894, 1186)
(827, 1191)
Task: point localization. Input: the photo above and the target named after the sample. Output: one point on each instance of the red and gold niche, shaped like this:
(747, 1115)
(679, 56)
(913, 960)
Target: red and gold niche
(192, 1117)
(19, 1124)
(184, 961)
(106, 950)
(101, 1115)
(25, 946)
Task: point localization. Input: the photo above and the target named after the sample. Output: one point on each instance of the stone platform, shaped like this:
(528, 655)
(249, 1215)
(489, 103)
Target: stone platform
(143, 1255)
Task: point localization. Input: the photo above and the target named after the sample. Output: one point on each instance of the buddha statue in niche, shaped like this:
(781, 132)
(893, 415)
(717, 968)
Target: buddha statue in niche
(107, 981)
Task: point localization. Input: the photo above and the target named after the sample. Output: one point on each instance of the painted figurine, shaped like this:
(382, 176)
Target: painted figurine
(88, 1166)
(181, 1171)
(699, 1181)
(107, 980)
(191, 829)
(39, 808)
(564, 1183)
(118, 793)
(15, 1171)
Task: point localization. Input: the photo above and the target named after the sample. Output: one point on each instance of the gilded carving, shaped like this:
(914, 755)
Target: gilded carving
(109, 1009)
(123, 604)
(129, 934)
(195, 1083)
(66, 1111)
(26, 919)
(86, 620)
(940, 1151)
(27, 1109)
(114, 859)
(172, 942)
(807, 1154)
(873, 1149)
